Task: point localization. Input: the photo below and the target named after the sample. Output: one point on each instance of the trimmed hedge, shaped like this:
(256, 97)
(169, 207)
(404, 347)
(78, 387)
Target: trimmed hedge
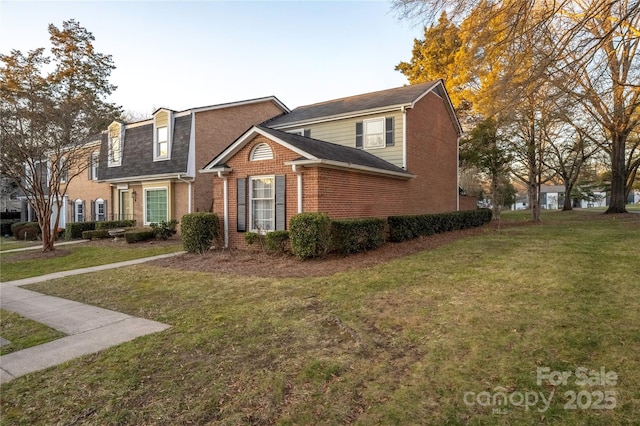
(310, 234)
(276, 241)
(137, 235)
(357, 235)
(74, 230)
(5, 226)
(18, 230)
(198, 231)
(110, 224)
(402, 228)
(97, 234)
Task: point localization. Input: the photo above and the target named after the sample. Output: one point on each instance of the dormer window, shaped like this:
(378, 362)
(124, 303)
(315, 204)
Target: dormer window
(115, 138)
(162, 130)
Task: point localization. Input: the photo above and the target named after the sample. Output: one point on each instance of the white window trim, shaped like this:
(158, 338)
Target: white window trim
(62, 164)
(144, 202)
(95, 161)
(299, 132)
(111, 161)
(253, 151)
(100, 203)
(79, 202)
(169, 127)
(364, 132)
(273, 203)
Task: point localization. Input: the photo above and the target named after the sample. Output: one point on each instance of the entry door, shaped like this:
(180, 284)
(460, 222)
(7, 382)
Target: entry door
(125, 205)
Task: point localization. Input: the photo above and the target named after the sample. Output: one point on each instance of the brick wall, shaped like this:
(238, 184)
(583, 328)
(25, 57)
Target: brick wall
(217, 129)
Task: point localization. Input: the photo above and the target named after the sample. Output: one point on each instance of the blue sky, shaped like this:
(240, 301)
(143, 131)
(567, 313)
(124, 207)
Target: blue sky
(189, 54)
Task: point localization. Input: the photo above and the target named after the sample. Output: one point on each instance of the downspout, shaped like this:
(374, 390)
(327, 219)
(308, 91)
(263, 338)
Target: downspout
(458, 172)
(189, 196)
(225, 208)
(298, 173)
(404, 137)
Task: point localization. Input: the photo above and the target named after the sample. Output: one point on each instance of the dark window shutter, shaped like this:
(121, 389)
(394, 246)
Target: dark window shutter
(281, 212)
(359, 134)
(106, 212)
(242, 204)
(307, 133)
(389, 132)
(93, 210)
(73, 212)
(90, 166)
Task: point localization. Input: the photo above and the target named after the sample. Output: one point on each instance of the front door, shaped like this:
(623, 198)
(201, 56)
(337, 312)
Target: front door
(126, 212)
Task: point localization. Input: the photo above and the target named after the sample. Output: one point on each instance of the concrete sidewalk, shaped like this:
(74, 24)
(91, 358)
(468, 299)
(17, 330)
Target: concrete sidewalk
(90, 329)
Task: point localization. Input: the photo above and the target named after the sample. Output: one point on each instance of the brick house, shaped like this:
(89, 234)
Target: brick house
(385, 153)
(150, 166)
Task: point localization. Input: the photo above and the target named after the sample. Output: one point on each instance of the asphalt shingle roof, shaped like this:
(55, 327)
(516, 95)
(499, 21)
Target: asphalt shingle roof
(329, 151)
(367, 101)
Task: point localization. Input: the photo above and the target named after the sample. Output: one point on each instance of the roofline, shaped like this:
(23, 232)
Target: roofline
(240, 103)
(145, 178)
(350, 166)
(236, 146)
(359, 113)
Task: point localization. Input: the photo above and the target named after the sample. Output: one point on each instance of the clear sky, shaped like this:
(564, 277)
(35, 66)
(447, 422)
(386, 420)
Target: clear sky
(186, 54)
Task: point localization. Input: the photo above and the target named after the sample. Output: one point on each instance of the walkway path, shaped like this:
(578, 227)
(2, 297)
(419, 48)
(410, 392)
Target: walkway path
(90, 329)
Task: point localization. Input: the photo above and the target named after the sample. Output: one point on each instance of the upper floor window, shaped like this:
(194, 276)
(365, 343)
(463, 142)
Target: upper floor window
(301, 132)
(64, 172)
(94, 166)
(162, 130)
(261, 151)
(374, 133)
(115, 139)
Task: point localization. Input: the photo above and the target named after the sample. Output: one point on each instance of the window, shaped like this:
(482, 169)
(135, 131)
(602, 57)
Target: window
(100, 210)
(63, 170)
(156, 205)
(93, 166)
(162, 143)
(262, 203)
(114, 144)
(162, 131)
(261, 151)
(374, 133)
(79, 210)
(301, 132)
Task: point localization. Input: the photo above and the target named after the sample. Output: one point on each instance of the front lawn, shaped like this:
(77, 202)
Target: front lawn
(480, 331)
(31, 263)
(24, 333)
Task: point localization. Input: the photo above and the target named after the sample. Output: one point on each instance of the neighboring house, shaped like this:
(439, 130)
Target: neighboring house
(392, 152)
(552, 197)
(151, 165)
(83, 197)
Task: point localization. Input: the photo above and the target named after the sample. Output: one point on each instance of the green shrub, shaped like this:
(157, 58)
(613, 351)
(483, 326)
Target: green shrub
(27, 232)
(32, 229)
(111, 224)
(97, 234)
(164, 229)
(198, 231)
(137, 235)
(357, 235)
(5, 226)
(74, 230)
(252, 237)
(310, 234)
(402, 228)
(276, 241)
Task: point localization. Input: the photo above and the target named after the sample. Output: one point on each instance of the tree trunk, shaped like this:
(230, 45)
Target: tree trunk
(495, 199)
(618, 176)
(568, 202)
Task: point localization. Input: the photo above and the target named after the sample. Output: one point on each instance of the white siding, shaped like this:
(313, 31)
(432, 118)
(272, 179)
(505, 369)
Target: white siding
(343, 132)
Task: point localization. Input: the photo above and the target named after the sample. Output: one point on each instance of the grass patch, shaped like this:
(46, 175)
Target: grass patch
(33, 263)
(23, 332)
(402, 343)
(10, 243)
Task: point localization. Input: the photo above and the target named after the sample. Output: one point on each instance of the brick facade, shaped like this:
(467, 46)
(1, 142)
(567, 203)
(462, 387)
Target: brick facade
(341, 193)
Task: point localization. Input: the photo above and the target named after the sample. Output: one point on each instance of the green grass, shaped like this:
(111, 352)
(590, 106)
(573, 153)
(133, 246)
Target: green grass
(23, 332)
(9, 243)
(401, 343)
(23, 264)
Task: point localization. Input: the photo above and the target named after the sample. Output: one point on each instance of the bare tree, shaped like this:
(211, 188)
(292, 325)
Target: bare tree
(45, 118)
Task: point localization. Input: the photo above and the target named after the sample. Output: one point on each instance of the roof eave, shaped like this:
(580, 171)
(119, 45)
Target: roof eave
(342, 116)
(352, 167)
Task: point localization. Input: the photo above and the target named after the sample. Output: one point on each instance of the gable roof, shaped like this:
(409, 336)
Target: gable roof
(367, 103)
(313, 152)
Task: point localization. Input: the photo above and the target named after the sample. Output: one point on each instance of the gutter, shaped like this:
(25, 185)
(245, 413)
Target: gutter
(225, 206)
(350, 166)
(298, 173)
(189, 182)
